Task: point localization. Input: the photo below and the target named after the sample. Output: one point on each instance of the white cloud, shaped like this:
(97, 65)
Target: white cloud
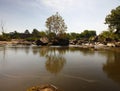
(60, 5)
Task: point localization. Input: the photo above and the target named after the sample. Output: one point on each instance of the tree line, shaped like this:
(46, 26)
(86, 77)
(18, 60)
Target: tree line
(56, 30)
(36, 34)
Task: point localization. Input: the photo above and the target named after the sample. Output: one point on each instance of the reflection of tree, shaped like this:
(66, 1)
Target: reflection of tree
(3, 56)
(112, 66)
(35, 50)
(26, 48)
(54, 58)
(44, 51)
(54, 64)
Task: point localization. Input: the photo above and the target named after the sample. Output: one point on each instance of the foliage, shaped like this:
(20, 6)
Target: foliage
(42, 34)
(74, 35)
(14, 35)
(35, 33)
(2, 38)
(56, 24)
(31, 39)
(113, 19)
(51, 36)
(88, 33)
(107, 36)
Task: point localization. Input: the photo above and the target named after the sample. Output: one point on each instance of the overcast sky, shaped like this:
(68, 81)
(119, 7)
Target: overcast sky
(79, 15)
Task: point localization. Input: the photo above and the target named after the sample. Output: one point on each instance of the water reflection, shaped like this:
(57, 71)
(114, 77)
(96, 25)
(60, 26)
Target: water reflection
(43, 51)
(3, 55)
(54, 58)
(54, 64)
(81, 67)
(112, 65)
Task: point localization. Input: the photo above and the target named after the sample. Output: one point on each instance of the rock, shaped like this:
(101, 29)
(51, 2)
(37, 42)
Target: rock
(117, 44)
(46, 87)
(110, 44)
(38, 42)
(42, 41)
(60, 42)
(63, 42)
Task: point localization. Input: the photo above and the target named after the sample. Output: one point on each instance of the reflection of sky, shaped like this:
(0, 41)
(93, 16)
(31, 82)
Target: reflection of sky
(78, 14)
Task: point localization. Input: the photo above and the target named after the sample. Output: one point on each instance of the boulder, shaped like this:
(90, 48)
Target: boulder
(117, 44)
(63, 42)
(110, 44)
(42, 41)
(46, 87)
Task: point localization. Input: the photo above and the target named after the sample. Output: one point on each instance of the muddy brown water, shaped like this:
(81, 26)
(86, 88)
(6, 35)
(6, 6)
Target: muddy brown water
(70, 69)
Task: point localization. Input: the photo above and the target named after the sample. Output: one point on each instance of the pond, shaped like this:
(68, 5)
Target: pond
(68, 68)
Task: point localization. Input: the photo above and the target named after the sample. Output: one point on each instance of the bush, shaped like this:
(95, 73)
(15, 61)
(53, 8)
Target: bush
(3, 38)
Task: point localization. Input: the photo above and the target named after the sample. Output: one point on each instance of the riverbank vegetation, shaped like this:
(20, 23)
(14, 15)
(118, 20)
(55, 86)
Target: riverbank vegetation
(56, 32)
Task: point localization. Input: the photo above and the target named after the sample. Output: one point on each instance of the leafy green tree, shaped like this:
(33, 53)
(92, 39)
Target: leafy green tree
(113, 19)
(56, 24)
(107, 36)
(74, 35)
(15, 35)
(35, 33)
(87, 34)
(42, 34)
(4, 37)
(51, 36)
(68, 35)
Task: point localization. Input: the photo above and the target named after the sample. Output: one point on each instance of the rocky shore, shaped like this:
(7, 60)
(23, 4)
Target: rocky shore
(16, 42)
(95, 45)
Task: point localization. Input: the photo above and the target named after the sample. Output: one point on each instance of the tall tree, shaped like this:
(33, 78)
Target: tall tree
(2, 25)
(113, 19)
(56, 24)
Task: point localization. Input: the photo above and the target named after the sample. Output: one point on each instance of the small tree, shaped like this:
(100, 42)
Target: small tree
(2, 25)
(26, 32)
(35, 33)
(56, 24)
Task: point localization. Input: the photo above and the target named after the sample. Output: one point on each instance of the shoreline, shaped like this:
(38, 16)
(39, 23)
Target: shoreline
(96, 45)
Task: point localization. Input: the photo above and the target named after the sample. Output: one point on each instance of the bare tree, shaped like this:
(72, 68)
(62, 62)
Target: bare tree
(2, 26)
